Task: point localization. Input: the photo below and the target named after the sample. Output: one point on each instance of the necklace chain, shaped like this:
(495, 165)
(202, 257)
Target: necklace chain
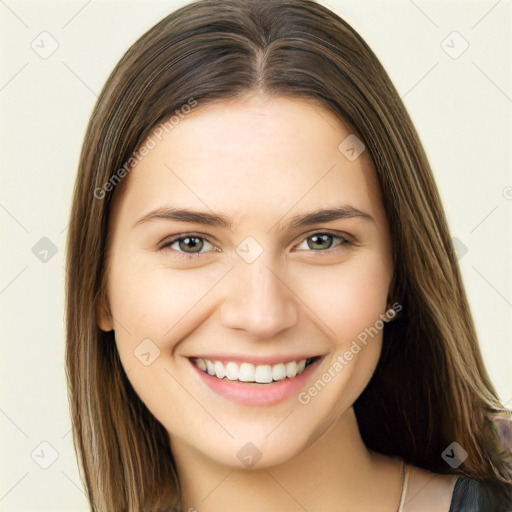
(402, 492)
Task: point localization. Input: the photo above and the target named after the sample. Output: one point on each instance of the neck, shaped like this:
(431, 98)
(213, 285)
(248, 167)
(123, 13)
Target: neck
(336, 472)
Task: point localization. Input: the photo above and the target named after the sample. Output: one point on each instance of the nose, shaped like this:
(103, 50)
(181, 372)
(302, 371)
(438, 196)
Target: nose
(258, 301)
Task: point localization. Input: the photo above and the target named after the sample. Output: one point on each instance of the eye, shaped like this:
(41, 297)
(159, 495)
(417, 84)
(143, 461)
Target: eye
(322, 242)
(189, 245)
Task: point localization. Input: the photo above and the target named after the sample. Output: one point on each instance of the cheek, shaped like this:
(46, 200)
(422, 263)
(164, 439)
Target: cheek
(163, 306)
(350, 303)
(347, 299)
(155, 302)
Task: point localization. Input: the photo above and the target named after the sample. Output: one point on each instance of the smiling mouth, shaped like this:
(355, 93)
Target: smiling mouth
(248, 372)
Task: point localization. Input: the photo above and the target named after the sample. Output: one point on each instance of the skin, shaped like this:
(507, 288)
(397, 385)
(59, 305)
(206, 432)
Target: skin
(259, 161)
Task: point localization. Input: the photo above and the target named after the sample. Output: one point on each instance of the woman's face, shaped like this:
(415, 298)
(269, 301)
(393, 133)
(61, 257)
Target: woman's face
(260, 279)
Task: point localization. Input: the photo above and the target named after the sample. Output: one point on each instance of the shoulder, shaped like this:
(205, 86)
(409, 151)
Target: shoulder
(472, 496)
(425, 491)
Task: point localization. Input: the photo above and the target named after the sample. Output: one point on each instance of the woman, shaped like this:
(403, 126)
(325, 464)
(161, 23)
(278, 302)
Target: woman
(264, 309)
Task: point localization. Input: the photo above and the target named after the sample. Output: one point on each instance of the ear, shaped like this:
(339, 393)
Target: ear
(393, 311)
(103, 314)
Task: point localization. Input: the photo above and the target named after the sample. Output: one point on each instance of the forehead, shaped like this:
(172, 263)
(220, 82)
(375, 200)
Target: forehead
(252, 156)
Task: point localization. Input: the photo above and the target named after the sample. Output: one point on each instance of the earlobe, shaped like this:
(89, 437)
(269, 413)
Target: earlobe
(389, 315)
(103, 315)
(392, 311)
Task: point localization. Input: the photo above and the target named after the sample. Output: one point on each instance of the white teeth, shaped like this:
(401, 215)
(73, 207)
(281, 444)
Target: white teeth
(278, 371)
(220, 371)
(291, 369)
(263, 374)
(232, 371)
(247, 372)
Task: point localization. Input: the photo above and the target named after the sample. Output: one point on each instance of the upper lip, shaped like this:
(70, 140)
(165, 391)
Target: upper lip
(256, 360)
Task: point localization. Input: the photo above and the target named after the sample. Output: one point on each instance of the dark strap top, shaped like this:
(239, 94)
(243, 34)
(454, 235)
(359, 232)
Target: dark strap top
(472, 496)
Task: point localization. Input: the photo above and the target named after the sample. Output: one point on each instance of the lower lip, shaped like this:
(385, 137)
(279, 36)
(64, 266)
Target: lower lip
(257, 394)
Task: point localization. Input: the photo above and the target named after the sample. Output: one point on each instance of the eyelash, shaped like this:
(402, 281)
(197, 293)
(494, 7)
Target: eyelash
(187, 256)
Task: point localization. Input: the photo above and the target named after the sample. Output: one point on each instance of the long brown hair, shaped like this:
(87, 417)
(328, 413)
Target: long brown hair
(430, 387)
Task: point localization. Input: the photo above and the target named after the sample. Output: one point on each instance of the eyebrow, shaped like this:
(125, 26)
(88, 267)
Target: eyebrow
(217, 220)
